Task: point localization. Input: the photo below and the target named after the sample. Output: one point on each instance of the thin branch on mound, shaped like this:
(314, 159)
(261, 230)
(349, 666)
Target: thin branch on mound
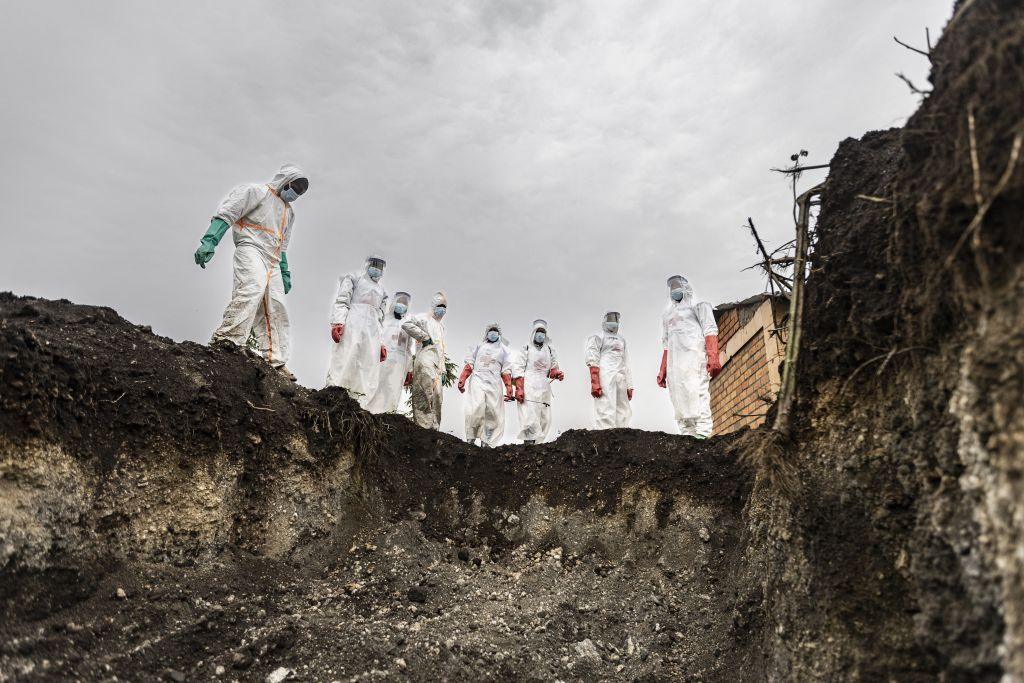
(799, 169)
(914, 49)
(254, 407)
(878, 200)
(884, 357)
(973, 230)
(910, 84)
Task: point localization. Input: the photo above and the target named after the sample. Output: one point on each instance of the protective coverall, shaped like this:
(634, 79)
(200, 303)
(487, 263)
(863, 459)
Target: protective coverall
(488, 380)
(612, 383)
(398, 363)
(534, 366)
(261, 228)
(686, 325)
(356, 358)
(428, 365)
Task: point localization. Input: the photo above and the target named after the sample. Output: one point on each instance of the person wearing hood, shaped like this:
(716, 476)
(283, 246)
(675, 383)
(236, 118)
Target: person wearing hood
(260, 218)
(689, 357)
(428, 366)
(398, 363)
(534, 368)
(611, 380)
(489, 379)
(356, 325)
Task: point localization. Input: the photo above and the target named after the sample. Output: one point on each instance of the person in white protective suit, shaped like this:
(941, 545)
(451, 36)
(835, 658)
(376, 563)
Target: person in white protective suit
(428, 365)
(488, 375)
(534, 367)
(356, 325)
(689, 357)
(611, 380)
(397, 368)
(260, 217)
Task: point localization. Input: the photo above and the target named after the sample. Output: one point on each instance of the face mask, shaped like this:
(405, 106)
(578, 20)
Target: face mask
(374, 272)
(439, 311)
(611, 327)
(400, 310)
(492, 336)
(289, 195)
(677, 295)
(539, 338)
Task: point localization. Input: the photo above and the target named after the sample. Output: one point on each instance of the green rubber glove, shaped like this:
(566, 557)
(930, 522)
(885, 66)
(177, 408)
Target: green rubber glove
(286, 275)
(210, 241)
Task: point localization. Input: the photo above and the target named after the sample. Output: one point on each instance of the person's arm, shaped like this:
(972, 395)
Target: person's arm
(555, 372)
(286, 275)
(706, 317)
(342, 300)
(239, 202)
(517, 365)
(411, 326)
(628, 369)
(467, 369)
(592, 351)
(382, 311)
(208, 242)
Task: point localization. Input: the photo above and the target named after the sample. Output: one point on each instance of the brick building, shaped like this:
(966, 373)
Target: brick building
(751, 356)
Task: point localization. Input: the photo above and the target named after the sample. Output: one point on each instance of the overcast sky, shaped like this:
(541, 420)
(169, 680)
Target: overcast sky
(533, 159)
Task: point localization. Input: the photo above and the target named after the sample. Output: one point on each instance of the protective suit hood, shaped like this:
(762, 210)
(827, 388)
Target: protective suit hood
(495, 326)
(439, 299)
(400, 297)
(684, 284)
(541, 325)
(285, 175)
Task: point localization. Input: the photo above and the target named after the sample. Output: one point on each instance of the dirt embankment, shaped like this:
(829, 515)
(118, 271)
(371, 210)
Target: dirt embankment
(179, 511)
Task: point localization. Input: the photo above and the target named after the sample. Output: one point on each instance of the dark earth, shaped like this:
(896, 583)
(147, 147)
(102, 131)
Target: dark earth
(182, 512)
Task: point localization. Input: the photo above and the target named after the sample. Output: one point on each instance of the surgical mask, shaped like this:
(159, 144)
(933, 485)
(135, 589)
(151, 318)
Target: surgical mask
(439, 311)
(677, 295)
(492, 336)
(611, 327)
(539, 337)
(374, 272)
(289, 195)
(400, 310)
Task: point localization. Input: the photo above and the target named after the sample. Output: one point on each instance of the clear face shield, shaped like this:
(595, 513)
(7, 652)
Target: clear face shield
(611, 322)
(374, 267)
(401, 305)
(679, 288)
(540, 331)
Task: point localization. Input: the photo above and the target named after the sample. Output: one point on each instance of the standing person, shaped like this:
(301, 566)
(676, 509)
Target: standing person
(260, 216)
(398, 363)
(611, 380)
(428, 365)
(534, 368)
(356, 325)
(490, 385)
(689, 359)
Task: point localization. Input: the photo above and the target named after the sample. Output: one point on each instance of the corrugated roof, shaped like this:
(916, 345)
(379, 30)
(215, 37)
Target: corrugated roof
(749, 301)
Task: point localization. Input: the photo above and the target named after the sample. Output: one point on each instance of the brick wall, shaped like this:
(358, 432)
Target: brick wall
(728, 324)
(736, 392)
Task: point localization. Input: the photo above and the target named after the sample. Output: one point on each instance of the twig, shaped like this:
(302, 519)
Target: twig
(887, 356)
(869, 198)
(912, 48)
(800, 169)
(116, 399)
(269, 410)
(975, 164)
(974, 228)
(913, 88)
(928, 40)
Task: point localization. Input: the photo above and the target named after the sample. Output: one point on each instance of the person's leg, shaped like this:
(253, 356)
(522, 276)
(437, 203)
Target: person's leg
(604, 408)
(623, 408)
(275, 341)
(704, 426)
(249, 282)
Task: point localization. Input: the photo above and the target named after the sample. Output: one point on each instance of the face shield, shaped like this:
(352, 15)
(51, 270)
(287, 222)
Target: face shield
(679, 288)
(374, 267)
(401, 305)
(611, 322)
(540, 331)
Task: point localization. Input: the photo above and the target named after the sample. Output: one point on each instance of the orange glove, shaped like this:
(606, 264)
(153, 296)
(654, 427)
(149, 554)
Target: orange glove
(383, 353)
(711, 346)
(336, 332)
(664, 369)
(629, 394)
(520, 389)
(507, 380)
(555, 373)
(408, 379)
(595, 382)
(466, 372)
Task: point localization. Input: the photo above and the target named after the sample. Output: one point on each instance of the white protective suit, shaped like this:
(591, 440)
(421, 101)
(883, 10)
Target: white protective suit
(533, 363)
(398, 364)
(485, 390)
(607, 352)
(684, 326)
(261, 228)
(355, 361)
(428, 365)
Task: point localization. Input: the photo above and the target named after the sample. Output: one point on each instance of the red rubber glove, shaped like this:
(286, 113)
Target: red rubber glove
(520, 389)
(466, 372)
(336, 332)
(408, 379)
(383, 353)
(664, 369)
(714, 363)
(595, 382)
(509, 394)
(629, 394)
(555, 373)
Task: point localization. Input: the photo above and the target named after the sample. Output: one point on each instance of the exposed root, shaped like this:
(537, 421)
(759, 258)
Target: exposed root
(768, 454)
